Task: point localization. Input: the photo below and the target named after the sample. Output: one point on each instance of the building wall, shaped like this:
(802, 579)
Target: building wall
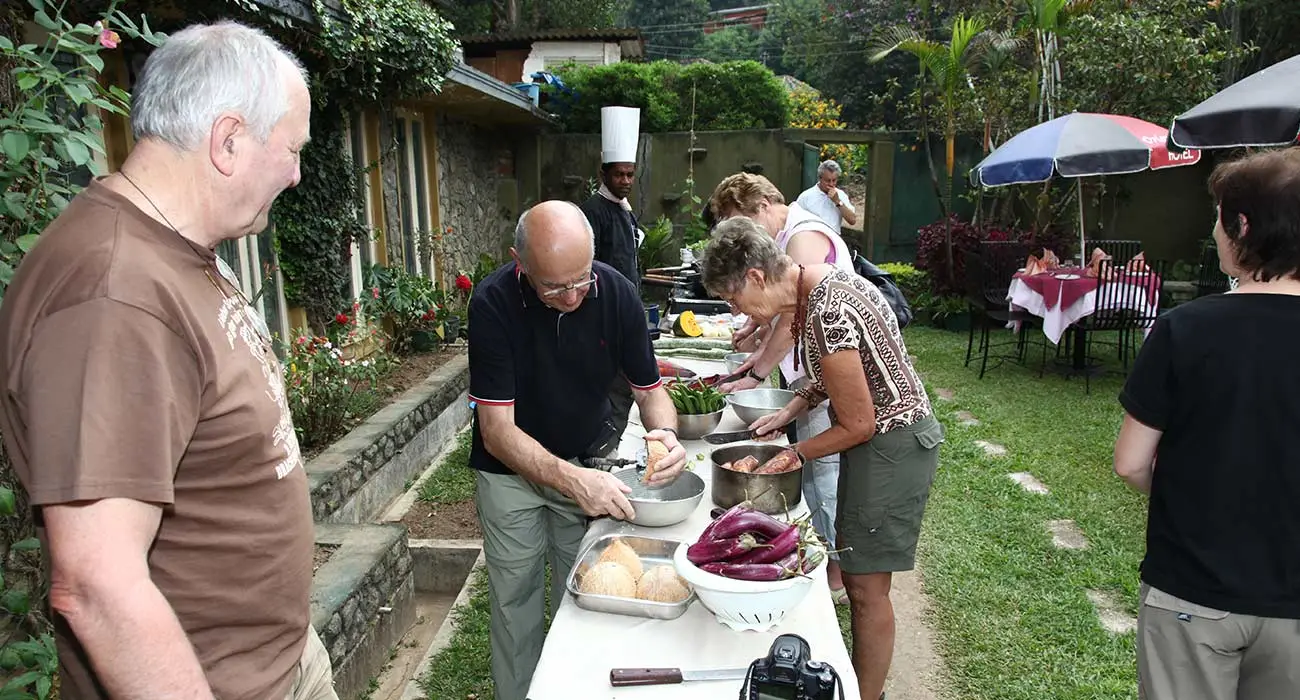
(476, 177)
(549, 54)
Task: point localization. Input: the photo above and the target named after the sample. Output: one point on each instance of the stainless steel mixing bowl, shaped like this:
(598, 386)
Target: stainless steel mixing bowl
(666, 505)
(696, 426)
(752, 404)
(735, 360)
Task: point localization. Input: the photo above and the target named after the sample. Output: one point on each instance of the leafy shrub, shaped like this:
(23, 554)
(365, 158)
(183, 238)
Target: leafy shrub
(732, 95)
(408, 303)
(325, 387)
(911, 281)
(931, 256)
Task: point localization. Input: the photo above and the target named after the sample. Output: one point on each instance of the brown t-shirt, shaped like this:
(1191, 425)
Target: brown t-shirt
(133, 370)
(846, 312)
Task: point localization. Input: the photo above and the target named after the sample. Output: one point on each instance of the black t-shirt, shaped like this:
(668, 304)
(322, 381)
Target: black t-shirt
(615, 231)
(556, 368)
(1219, 376)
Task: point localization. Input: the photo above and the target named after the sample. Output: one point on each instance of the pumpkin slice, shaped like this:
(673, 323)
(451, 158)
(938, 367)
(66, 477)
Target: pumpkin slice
(686, 325)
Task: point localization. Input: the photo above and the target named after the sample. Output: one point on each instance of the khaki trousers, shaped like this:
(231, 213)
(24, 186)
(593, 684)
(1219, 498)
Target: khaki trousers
(314, 679)
(524, 527)
(1190, 652)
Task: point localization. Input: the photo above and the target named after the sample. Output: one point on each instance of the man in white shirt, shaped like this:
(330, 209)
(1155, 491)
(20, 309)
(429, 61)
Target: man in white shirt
(825, 200)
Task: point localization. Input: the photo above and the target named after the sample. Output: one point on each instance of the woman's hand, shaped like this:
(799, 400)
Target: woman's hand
(745, 335)
(739, 385)
(770, 427)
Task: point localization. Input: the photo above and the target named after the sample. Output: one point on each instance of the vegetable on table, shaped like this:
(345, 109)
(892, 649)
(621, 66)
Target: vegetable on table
(785, 461)
(686, 325)
(745, 544)
(719, 550)
(695, 398)
(609, 578)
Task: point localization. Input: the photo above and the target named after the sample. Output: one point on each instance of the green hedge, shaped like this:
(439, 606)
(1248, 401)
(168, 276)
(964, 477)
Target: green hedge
(732, 95)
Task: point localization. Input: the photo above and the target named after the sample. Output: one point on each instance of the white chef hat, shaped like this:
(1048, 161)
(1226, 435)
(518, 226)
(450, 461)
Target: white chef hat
(619, 129)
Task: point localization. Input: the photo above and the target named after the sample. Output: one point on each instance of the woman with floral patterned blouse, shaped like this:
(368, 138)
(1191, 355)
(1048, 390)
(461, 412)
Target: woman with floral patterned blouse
(847, 338)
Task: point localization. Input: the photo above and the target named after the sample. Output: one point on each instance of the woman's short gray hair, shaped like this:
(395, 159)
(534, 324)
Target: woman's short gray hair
(738, 246)
(204, 70)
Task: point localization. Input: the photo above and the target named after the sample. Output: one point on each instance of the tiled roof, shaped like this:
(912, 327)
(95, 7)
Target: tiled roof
(606, 34)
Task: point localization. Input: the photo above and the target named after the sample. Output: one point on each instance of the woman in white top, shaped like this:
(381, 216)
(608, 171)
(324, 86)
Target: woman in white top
(808, 240)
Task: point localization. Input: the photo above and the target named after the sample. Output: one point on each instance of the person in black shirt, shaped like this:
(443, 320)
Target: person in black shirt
(613, 224)
(1214, 401)
(548, 334)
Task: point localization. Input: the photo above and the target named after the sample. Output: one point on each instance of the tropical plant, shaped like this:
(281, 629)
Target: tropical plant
(407, 303)
(949, 68)
(51, 130)
(656, 249)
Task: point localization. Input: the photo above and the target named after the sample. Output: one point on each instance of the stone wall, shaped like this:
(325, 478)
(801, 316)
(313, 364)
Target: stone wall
(354, 478)
(362, 600)
(475, 163)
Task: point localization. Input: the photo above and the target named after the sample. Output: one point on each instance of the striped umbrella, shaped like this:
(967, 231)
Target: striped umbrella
(1079, 145)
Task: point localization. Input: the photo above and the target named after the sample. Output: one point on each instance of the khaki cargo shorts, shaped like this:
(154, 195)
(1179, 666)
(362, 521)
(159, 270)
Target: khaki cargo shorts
(1187, 651)
(883, 489)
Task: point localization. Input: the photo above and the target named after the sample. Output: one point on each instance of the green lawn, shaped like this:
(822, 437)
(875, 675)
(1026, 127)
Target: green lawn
(453, 482)
(1010, 611)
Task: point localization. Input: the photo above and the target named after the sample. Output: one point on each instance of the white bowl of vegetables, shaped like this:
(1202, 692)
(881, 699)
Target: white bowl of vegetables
(751, 569)
(699, 408)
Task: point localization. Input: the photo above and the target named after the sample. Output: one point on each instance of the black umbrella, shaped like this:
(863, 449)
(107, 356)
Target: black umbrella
(1262, 109)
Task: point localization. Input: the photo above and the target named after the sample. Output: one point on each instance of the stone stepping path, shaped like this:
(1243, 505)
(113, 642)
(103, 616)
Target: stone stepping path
(1112, 615)
(992, 449)
(1029, 483)
(1066, 535)
(967, 418)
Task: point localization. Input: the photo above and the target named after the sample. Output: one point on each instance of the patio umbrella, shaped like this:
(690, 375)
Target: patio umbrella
(1080, 145)
(1262, 109)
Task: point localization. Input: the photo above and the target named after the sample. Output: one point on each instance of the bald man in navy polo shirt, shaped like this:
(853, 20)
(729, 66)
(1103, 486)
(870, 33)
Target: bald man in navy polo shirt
(547, 336)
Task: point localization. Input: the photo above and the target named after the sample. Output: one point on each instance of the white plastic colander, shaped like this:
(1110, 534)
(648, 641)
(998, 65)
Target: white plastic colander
(746, 605)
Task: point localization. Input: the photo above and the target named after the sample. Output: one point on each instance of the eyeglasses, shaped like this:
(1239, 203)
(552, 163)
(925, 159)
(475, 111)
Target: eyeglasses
(254, 318)
(553, 291)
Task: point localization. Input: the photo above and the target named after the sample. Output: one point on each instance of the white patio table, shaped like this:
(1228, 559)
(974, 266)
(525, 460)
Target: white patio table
(582, 646)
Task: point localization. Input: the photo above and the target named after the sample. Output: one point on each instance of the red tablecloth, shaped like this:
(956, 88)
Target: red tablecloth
(1055, 290)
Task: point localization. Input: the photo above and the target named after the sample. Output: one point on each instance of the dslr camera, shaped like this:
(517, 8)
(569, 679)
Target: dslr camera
(789, 673)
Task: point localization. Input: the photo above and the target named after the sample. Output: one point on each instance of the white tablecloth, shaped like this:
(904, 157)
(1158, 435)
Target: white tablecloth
(582, 646)
(1057, 319)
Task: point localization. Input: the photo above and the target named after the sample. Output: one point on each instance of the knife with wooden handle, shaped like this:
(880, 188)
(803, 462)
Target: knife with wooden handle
(620, 677)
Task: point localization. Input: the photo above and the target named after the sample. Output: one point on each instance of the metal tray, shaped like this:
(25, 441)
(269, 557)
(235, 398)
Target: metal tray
(653, 552)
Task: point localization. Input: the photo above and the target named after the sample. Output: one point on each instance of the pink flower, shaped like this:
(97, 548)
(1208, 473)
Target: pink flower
(109, 38)
(374, 292)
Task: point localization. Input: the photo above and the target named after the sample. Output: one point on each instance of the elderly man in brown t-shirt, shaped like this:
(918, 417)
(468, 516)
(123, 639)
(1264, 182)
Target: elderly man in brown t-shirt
(144, 409)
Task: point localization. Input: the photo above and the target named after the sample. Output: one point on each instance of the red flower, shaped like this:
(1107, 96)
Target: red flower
(341, 318)
(464, 283)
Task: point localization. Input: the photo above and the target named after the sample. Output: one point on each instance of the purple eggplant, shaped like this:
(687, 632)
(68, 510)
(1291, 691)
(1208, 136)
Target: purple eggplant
(748, 572)
(721, 518)
(707, 551)
(747, 521)
(777, 548)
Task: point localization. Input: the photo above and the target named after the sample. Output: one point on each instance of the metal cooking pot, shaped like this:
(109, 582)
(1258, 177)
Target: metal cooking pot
(773, 494)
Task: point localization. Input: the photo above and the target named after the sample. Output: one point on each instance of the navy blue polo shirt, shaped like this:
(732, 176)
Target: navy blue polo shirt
(555, 368)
